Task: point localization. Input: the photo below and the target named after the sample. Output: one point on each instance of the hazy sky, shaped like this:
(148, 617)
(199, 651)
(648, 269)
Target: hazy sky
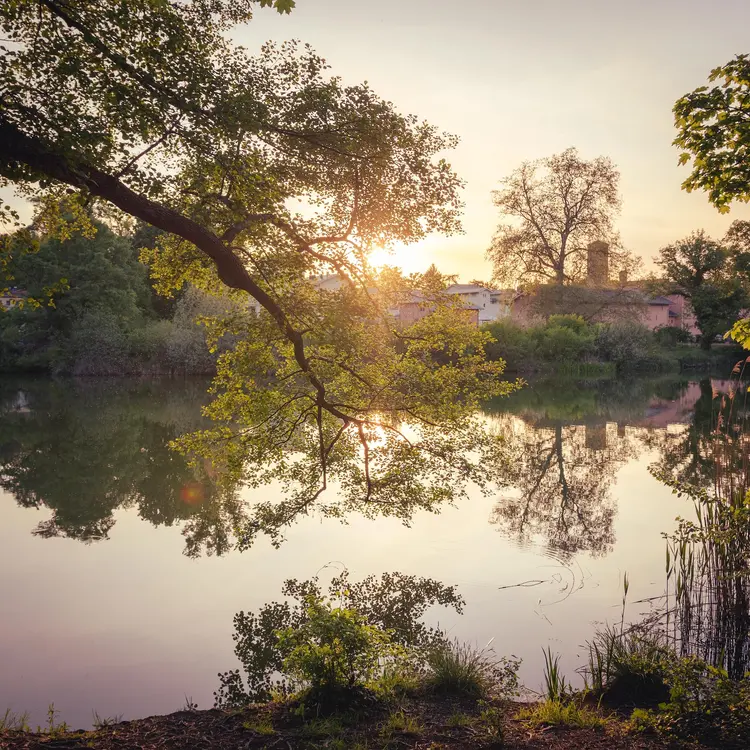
(522, 80)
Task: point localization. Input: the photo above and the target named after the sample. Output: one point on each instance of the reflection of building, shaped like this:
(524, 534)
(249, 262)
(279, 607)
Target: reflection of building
(12, 297)
(596, 436)
(661, 413)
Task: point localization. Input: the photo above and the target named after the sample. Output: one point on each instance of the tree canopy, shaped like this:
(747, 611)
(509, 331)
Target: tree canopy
(710, 275)
(552, 209)
(263, 173)
(713, 125)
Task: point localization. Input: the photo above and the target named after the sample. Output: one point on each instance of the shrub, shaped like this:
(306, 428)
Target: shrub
(97, 346)
(671, 336)
(705, 706)
(393, 603)
(565, 338)
(628, 668)
(626, 343)
(461, 669)
(148, 344)
(513, 344)
(575, 323)
(562, 338)
(334, 650)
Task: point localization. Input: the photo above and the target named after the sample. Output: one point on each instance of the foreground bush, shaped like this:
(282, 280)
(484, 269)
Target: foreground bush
(628, 667)
(334, 652)
(705, 705)
(363, 641)
(461, 669)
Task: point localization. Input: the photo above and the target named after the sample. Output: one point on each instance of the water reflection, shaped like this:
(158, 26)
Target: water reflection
(560, 479)
(84, 450)
(74, 450)
(567, 441)
(708, 562)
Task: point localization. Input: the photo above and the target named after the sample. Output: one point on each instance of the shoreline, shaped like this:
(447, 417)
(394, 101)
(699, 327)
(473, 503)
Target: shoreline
(421, 722)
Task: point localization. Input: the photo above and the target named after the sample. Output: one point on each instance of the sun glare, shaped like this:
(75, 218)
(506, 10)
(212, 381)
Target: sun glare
(408, 258)
(380, 257)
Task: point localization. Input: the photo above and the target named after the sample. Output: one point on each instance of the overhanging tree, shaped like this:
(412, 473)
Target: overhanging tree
(262, 173)
(713, 124)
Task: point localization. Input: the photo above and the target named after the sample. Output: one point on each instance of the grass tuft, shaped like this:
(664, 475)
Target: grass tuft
(628, 668)
(461, 669)
(458, 719)
(556, 687)
(13, 722)
(101, 722)
(400, 721)
(262, 727)
(559, 714)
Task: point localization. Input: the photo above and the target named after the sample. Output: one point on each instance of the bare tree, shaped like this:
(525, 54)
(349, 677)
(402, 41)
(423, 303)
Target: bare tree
(552, 209)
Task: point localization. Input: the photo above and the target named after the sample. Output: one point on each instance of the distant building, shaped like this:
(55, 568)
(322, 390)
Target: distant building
(599, 300)
(597, 264)
(656, 313)
(419, 306)
(491, 304)
(681, 314)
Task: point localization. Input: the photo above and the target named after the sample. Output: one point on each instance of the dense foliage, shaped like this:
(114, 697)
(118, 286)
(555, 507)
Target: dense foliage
(100, 316)
(568, 339)
(713, 126)
(712, 276)
(262, 173)
(84, 450)
(343, 640)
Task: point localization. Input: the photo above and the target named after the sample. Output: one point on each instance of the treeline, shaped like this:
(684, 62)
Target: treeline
(570, 342)
(99, 314)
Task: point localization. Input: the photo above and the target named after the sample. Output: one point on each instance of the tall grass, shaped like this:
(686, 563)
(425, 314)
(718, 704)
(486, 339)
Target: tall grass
(13, 722)
(628, 666)
(707, 559)
(462, 669)
(556, 687)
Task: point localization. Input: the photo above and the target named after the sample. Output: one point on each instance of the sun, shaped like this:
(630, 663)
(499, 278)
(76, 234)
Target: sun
(380, 257)
(408, 258)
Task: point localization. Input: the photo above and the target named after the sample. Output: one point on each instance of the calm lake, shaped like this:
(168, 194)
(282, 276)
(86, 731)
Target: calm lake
(120, 580)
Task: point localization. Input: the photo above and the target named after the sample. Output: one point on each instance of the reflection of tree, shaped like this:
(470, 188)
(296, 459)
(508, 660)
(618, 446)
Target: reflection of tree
(84, 451)
(715, 431)
(548, 402)
(561, 478)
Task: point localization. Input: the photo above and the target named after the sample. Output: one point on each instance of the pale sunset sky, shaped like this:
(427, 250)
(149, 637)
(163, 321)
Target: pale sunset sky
(522, 80)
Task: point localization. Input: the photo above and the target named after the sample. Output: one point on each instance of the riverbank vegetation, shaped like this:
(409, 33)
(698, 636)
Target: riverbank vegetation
(569, 345)
(91, 310)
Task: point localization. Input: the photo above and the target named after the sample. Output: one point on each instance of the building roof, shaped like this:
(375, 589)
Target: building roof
(466, 289)
(660, 301)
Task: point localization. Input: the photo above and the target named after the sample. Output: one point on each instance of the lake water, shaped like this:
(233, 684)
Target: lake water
(120, 581)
